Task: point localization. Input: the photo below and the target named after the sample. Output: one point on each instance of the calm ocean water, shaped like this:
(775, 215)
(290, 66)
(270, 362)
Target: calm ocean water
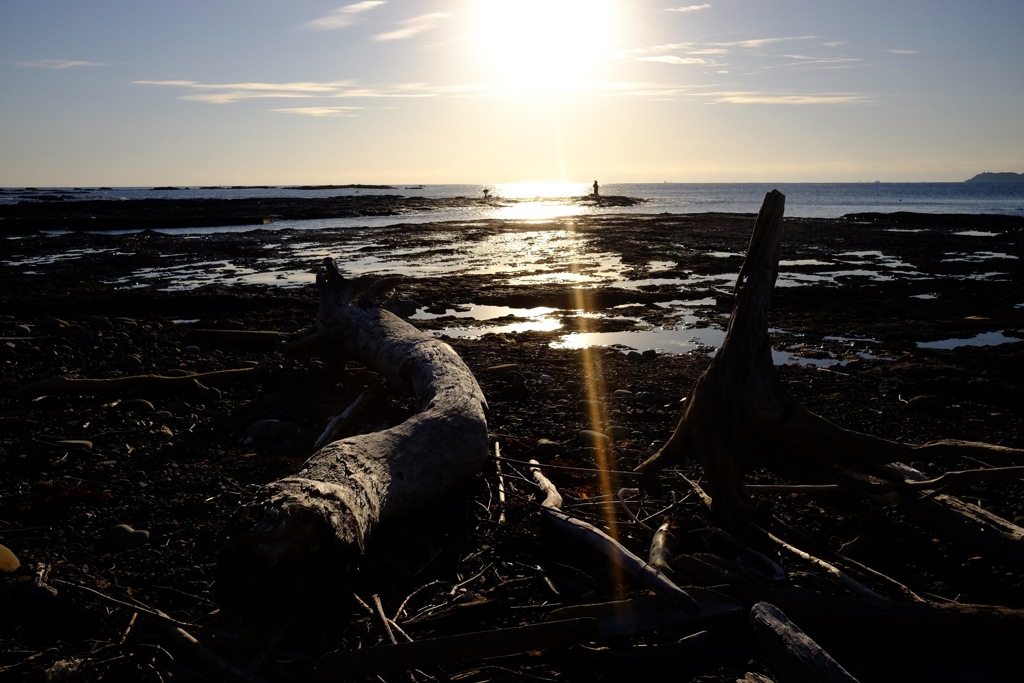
(546, 200)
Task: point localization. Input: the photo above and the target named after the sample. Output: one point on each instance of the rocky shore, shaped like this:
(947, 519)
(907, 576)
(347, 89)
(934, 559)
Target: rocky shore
(114, 504)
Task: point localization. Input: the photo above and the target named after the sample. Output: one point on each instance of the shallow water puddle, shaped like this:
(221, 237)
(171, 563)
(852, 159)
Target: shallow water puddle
(982, 339)
(478, 312)
(50, 259)
(974, 257)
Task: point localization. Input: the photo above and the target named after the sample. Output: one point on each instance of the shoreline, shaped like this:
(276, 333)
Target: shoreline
(166, 214)
(169, 214)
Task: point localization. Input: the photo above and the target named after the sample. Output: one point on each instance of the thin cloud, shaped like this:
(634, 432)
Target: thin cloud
(761, 42)
(320, 112)
(903, 52)
(689, 8)
(411, 27)
(229, 93)
(342, 17)
(673, 59)
(786, 98)
(810, 60)
(58, 64)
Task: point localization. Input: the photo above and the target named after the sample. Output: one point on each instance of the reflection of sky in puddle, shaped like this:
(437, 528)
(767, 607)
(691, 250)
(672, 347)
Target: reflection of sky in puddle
(976, 233)
(541, 325)
(983, 339)
(678, 340)
(181, 278)
(50, 259)
(974, 257)
(486, 313)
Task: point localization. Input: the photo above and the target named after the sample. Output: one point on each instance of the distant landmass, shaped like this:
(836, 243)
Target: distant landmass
(1004, 177)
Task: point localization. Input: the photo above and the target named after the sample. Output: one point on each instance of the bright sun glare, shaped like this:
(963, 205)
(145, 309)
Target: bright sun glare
(544, 45)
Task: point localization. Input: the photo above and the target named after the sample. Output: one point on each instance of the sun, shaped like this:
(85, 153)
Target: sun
(544, 45)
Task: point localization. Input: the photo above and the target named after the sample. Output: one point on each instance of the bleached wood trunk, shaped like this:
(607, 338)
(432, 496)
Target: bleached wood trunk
(327, 511)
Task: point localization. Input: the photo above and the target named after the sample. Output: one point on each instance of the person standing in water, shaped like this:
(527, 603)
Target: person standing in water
(596, 193)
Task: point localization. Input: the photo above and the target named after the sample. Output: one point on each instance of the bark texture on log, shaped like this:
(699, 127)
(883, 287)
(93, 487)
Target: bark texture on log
(791, 651)
(326, 512)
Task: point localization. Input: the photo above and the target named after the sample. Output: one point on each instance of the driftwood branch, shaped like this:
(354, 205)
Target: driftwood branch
(313, 527)
(791, 651)
(620, 556)
(185, 384)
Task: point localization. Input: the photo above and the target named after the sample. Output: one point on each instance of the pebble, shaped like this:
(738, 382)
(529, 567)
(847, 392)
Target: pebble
(124, 537)
(269, 430)
(504, 369)
(588, 437)
(634, 356)
(136, 405)
(928, 403)
(545, 449)
(651, 398)
(618, 433)
(22, 330)
(622, 393)
(9, 562)
(129, 361)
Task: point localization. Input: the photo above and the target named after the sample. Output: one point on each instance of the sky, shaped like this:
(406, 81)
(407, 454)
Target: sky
(268, 92)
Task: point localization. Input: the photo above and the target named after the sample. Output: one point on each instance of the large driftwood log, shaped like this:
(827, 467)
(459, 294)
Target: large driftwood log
(739, 411)
(316, 523)
(792, 652)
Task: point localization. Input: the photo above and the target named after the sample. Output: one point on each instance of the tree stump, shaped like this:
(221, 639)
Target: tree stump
(739, 412)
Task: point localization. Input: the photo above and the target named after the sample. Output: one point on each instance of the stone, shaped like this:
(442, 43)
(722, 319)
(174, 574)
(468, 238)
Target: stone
(136, 405)
(124, 537)
(269, 430)
(617, 433)
(545, 449)
(504, 369)
(588, 437)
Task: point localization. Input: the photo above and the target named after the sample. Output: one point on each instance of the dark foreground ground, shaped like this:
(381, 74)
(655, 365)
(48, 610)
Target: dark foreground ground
(178, 466)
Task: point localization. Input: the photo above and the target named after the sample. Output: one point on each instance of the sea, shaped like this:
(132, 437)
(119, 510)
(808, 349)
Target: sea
(549, 200)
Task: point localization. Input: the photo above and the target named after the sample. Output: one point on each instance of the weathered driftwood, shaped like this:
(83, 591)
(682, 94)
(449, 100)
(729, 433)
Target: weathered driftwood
(349, 664)
(191, 384)
(315, 524)
(620, 556)
(957, 627)
(791, 652)
(739, 411)
(564, 627)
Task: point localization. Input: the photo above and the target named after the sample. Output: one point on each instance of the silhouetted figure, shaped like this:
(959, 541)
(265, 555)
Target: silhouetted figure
(596, 192)
(487, 192)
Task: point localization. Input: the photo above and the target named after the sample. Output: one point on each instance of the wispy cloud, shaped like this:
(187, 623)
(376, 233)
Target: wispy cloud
(762, 42)
(411, 27)
(320, 112)
(342, 17)
(58, 64)
(753, 97)
(689, 8)
(229, 93)
(903, 52)
(674, 59)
